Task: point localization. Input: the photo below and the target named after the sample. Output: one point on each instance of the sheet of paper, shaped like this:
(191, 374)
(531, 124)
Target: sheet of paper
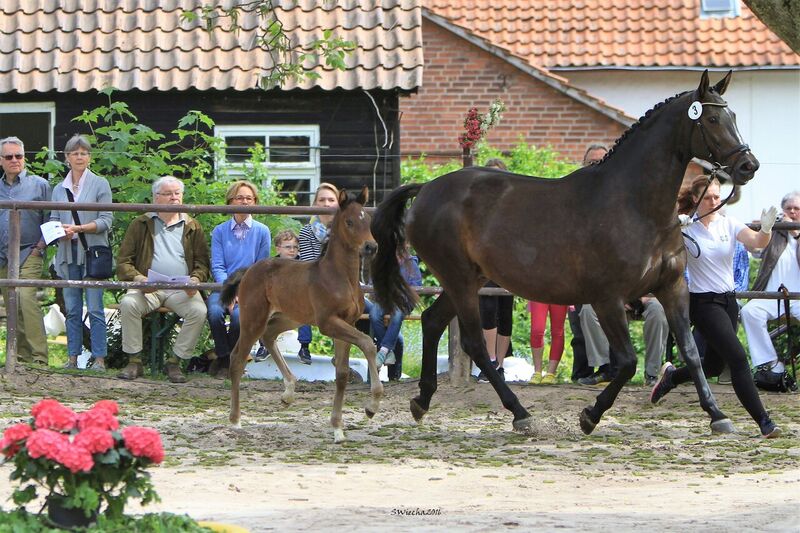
(52, 231)
(157, 277)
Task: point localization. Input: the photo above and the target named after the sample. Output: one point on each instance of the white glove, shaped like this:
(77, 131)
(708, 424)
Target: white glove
(768, 218)
(684, 220)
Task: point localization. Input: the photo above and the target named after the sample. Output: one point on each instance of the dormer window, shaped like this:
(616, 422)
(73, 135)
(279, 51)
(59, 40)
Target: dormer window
(719, 8)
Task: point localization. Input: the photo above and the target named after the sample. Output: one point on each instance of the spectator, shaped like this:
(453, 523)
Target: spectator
(780, 265)
(236, 243)
(287, 245)
(172, 244)
(580, 365)
(712, 303)
(312, 236)
(19, 186)
(81, 185)
(656, 330)
(558, 314)
(387, 334)
(497, 314)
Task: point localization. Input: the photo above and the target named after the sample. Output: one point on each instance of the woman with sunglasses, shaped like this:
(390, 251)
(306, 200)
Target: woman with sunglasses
(236, 243)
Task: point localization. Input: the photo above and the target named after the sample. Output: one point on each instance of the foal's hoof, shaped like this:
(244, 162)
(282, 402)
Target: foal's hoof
(287, 399)
(587, 424)
(523, 425)
(723, 425)
(338, 436)
(369, 412)
(417, 411)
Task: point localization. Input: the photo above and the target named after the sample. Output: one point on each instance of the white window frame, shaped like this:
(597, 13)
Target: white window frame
(34, 107)
(733, 11)
(297, 170)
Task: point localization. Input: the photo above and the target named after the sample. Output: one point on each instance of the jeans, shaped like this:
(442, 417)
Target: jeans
(304, 334)
(388, 336)
(73, 301)
(225, 337)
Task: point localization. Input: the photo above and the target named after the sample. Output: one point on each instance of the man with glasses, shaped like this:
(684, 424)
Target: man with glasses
(17, 185)
(780, 265)
(172, 244)
(236, 243)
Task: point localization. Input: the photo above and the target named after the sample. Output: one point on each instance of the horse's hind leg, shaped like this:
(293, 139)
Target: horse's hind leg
(275, 327)
(253, 317)
(615, 325)
(675, 302)
(342, 361)
(434, 321)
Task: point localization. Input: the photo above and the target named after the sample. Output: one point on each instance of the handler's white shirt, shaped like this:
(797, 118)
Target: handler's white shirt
(786, 270)
(713, 270)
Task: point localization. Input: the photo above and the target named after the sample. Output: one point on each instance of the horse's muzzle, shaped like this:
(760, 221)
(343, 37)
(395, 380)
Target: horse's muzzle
(745, 168)
(369, 248)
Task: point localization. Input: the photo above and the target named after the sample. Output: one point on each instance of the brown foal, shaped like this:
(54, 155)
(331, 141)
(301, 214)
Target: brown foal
(277, 295)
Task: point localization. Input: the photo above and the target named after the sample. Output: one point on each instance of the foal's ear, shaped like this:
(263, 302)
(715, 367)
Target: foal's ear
(343, 198)
(723, 83)
(701, 90)
(363, 196)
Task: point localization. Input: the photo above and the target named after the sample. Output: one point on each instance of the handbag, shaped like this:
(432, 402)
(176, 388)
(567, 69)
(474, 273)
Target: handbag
(99, 259)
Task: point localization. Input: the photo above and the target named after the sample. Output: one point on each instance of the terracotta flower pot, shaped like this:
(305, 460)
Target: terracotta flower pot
(67, 517)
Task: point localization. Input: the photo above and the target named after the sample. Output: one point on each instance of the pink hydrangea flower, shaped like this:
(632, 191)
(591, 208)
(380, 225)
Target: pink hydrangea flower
(144, 442)
(95, 440)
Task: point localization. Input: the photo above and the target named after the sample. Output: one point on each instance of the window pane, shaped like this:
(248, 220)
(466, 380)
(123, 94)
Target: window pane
(238, 146)
(33, 129)
(289, 149)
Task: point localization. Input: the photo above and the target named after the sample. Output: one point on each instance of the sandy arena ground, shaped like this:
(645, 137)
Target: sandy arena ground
(644, 467)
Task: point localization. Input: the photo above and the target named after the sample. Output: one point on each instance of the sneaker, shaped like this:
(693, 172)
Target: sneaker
(663, 384)
(380, 358)
(502, 372)
(482, 378)
(598, 378)
(725, 377)
(97, 365)
(262, 354)
(71, 365)
(549, 379)
(304, 354)
(390, 358)
(536, 379)
(768, 429)
(649, 380)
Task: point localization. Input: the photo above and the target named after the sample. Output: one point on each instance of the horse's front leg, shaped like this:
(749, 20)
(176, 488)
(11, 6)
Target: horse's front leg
(675, 300)
(342, 361)
(614, 322)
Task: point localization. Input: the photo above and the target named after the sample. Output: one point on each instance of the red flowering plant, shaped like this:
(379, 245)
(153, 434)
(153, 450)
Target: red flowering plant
(477, 125)
(82, 459)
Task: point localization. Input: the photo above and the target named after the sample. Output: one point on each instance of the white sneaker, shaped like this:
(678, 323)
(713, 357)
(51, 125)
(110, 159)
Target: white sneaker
(390, 359)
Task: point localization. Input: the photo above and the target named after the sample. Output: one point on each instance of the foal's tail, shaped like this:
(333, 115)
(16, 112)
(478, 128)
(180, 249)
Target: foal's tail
(388, 228)
(231, 286)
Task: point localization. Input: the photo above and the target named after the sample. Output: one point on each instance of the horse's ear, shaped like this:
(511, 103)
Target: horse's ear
(363, 196)
(703, 88)
(343, 199)
(723, 83)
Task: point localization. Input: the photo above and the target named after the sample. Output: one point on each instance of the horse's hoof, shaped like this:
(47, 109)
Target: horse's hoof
(723, 425)
(417, 411)
(587, 424)
(369, 412)
(524, 425)
(287, 399)
(338, 436)
(237, 424)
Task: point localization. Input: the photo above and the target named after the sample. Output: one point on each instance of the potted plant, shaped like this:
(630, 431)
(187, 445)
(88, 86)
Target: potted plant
(82, 460)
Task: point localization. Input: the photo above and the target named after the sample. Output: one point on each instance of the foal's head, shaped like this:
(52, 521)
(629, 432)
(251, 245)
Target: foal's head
(716, 136)
(351, 224)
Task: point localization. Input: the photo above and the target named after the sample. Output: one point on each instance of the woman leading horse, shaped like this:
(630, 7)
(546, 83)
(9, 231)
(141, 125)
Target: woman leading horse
(603, 235)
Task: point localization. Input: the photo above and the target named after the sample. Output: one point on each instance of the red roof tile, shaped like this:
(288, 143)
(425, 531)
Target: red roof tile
(610, 33)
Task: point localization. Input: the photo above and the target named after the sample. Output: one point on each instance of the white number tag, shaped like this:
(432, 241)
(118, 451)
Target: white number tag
(695, 110)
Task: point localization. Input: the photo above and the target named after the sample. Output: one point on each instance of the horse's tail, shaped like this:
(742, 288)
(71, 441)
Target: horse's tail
(388, 228)
(231, 286)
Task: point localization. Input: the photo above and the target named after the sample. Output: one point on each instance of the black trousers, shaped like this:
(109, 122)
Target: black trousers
(716, 317)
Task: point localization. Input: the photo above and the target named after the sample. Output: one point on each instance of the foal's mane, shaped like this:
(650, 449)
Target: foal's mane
(638, 123)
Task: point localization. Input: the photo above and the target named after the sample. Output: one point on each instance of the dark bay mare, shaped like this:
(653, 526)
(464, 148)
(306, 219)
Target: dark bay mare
(603, 235)
(277, 295)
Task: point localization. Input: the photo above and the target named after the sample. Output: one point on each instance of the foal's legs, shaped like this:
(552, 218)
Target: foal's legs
(675, 301)
(342, 361)
(615, 325)
(253, 316)
(275, 327)
(434, 321)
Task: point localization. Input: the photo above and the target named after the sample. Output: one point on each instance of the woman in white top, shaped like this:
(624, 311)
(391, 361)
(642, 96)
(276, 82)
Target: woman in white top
(712, 303)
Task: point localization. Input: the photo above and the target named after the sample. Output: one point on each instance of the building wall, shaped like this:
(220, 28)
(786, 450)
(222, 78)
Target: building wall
(459, 75)
(767, 107)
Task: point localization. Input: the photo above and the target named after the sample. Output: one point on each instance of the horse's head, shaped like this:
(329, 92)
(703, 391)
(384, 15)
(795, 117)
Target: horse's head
(352, 223)
(715, 135)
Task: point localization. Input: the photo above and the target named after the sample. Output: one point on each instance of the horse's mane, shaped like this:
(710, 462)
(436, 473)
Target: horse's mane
(636, 125)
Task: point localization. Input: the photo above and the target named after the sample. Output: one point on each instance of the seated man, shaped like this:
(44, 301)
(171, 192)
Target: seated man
(780, 265)
(656, 330)
(172, 244)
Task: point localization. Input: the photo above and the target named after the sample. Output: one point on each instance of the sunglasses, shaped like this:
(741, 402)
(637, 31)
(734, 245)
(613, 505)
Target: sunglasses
(13, 156)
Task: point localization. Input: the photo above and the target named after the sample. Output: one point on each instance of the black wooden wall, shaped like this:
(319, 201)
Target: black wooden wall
(348, 122)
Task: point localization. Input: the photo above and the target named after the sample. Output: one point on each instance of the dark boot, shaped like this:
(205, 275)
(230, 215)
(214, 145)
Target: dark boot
(174, 373)
(223, 366)
(133, 370)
